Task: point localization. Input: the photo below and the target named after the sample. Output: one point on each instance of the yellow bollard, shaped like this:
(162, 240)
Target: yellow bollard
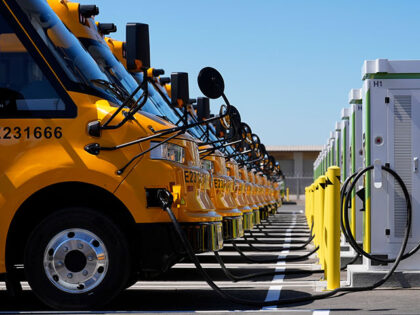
(307, 204)
(313, 207)
(332, 231)
(316, 212)
(321, 202)
(324, 231)
(287, 194)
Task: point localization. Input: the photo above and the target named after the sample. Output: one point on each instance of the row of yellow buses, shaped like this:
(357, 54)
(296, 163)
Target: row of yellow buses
(90, 134)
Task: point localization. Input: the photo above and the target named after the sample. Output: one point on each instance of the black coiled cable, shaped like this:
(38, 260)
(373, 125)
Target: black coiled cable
(275, 260)
(350, 237)
(166, 199)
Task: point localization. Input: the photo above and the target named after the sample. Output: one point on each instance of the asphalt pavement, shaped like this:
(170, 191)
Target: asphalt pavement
(183, 290)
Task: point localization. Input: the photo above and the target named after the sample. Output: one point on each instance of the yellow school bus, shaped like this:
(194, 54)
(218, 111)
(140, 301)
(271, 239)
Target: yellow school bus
(81, 169)
(221, 195)
(239, 195)
(222, 185)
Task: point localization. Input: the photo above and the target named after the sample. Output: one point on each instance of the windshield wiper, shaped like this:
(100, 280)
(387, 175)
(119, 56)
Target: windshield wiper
(115, 89)
(134, 106)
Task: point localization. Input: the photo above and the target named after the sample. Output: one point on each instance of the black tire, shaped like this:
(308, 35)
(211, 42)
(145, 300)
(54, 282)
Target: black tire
(115, 277)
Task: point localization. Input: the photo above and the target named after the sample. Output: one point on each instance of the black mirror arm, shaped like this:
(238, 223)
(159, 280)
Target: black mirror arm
(130, 113)
(214, 142)
(186, 113)
(231, 143)
(125, 103)
(252, 161)
(209, 153)
(164, 96)
(222, 140)
(237, 154)
(207, 150)
(96, 148)
(224, 145)
(219, 140)
(120, 108)
(180, 118)
(192, 125)
(227, 104)
(207, 133)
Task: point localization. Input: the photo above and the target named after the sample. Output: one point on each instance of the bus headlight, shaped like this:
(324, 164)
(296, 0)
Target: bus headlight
(167, 151)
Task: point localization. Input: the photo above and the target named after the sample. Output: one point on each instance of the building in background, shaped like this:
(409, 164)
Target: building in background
(296, 162)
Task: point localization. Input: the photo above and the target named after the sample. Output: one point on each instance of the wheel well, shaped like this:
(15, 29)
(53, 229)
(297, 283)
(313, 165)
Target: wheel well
(51, 198)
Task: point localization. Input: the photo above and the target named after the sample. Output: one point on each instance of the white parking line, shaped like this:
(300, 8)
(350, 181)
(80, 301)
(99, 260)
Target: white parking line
(274, 291)
(273, 294)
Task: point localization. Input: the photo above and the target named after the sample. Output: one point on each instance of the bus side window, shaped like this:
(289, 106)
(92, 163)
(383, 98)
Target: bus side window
(23, 86)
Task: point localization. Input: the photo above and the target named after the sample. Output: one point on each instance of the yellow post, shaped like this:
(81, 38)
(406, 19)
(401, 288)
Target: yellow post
(324, 230)
(287, 194)
(313, 207)
(333, 227)
(309, 206)
(306, 204)
(316, 212)
(321, 201)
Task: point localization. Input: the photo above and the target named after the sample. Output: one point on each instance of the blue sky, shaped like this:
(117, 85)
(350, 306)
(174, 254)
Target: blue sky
(288, 65)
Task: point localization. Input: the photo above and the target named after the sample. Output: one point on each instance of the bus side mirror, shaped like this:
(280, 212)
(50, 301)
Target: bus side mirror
(106, 28)
(246, 135)
(88, 10)
(137, 46)
(211, 83)
(180, 95)
(220, 130)
(229, 124)
(271, 163)
(235, 119)
(255, 141)
(203, 108)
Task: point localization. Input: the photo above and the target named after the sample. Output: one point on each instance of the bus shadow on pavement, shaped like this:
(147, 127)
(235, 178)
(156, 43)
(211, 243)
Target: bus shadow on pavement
(192, 300)
(186, 274)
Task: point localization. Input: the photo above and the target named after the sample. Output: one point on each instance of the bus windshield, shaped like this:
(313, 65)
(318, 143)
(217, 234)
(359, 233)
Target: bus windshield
(115, 71)
(162, 105)
(67, 50)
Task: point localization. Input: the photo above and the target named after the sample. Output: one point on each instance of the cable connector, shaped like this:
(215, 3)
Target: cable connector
(165, 198)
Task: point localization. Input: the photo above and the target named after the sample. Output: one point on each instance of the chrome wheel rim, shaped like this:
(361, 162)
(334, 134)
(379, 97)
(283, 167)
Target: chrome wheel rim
(76, 261)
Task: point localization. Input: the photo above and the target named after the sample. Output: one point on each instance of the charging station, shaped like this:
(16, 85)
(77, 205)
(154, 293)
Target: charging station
(344, 144)
(328, 157)
(391, 111)
(337, 141)
(356, 157)
(347, 252)
(324, 159)
(331, 149)
(317, 170)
